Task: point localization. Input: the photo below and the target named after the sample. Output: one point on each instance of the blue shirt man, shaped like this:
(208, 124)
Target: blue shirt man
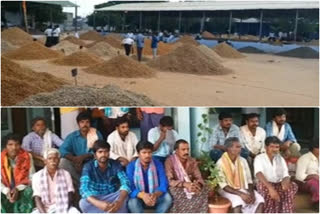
(104, 184)
(149, 185)
(76, 148)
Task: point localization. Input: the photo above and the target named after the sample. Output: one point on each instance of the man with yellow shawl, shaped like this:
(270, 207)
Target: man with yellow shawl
(236, 182)
(16, 172)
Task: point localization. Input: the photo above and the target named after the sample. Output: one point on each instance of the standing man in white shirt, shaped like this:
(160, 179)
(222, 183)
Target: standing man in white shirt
(123, 143)
(164, 138)
(252, 136)
(56, 34)
(308, 172)
(273, 178)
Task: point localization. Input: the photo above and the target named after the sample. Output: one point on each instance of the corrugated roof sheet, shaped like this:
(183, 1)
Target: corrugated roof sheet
(212, 6)
(61, 3)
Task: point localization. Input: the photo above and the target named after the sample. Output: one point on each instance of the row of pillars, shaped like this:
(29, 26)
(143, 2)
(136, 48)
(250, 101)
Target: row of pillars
(203, 18)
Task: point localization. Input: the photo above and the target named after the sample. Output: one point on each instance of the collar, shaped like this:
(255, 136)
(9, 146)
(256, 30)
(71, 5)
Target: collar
(96, 165)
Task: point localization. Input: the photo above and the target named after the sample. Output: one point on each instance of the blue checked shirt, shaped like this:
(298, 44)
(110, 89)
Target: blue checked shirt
(94, 182)
(218, 137)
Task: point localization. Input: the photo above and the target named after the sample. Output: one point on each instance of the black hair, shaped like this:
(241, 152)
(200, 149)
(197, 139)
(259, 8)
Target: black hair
(166, 121)
(100, 144)
(230, 140)
(252, 115)
(85, 115)
(272, 140)
(121, 120)
(314, 144)
(36, 119)
(144, 145)
(224, 115)
(12, 136)
(278, 112)
(178, 142)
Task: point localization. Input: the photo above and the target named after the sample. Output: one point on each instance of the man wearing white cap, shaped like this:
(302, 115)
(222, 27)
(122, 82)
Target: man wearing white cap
(52, 187)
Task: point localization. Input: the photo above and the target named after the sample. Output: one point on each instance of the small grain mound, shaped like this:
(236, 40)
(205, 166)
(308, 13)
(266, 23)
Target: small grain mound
(189, 59)
(75, 40)
(18, 83)
(163, 48)
(32, 51)
(110, 40)
(7, 46)
(301, 52)
(66, 47)
(143, 58)
(110, 95)
(210, 53)
(122, 66)
(91, 35)
(79, 58)
(103, 49)
(207, 35)
(16, 36)
(188, 40)
(224, 50)
(250, 49)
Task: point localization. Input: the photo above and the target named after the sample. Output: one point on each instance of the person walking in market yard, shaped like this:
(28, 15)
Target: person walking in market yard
(140, 45)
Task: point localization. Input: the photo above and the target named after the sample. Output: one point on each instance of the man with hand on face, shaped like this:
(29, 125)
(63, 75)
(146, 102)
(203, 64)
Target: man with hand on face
(163, 137)
(123, 142)
(39, 141)
(52, 187)
(186, 184)
(148, 181)
(76, 148)
(273, 177)
(236, 181)
(221, 132)
(280, 128)
(16, 172)
(100, 182)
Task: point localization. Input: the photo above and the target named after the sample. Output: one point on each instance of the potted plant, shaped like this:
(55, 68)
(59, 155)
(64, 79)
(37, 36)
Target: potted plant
(209, 171)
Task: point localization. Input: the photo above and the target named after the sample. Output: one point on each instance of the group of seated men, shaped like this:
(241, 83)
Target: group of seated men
(123, 175)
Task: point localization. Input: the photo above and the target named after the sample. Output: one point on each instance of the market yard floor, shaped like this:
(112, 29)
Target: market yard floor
(258, 80)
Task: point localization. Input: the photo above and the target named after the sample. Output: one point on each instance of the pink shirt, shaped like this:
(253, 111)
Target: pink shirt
(36, 180)
(153, 110)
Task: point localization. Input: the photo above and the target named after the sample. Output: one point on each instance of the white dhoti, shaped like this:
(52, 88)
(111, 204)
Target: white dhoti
(237, 201)
(52, 209)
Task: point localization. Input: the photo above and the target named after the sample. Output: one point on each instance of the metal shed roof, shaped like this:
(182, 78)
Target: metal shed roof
(212, 6)
(61, 3)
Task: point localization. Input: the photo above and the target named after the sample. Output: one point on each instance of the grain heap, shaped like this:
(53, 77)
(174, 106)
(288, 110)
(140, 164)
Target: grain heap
(16, 36)
(7, 46)
(301, 52)
(67, 47)
(110, 40)
(18, 83)
(91, 35)
(163, 48)
(110, 95)
(189, 59)
(188, 40)
(250, 49)
(224, 50)
(122, 66)
(75, 41)
(210, 53)
(103, 49)
(32, 51)
(79, 58)
(207, 35)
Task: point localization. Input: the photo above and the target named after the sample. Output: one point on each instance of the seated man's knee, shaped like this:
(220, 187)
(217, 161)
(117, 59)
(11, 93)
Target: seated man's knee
(215, 154)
